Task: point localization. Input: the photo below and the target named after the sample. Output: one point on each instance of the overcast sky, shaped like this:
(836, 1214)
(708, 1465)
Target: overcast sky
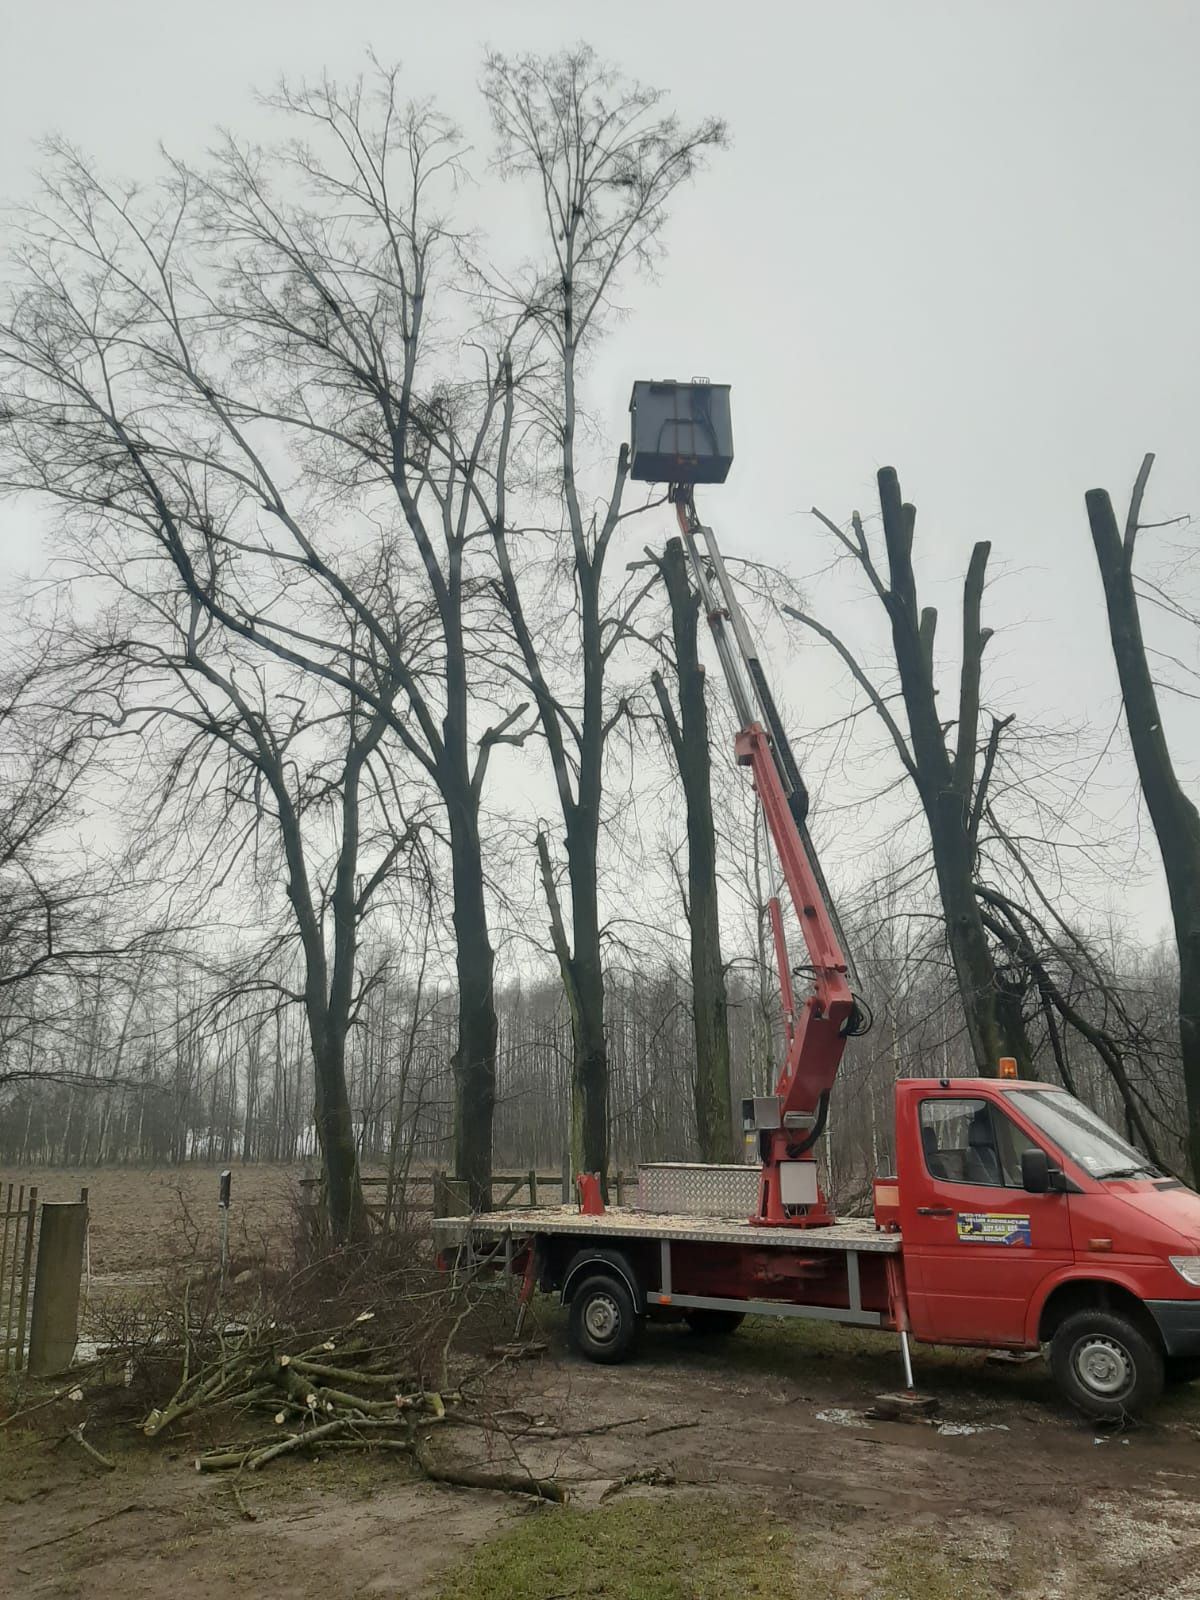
(955, 237)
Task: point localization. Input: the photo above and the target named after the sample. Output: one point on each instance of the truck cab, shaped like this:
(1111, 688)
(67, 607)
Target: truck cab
(1026, 1220)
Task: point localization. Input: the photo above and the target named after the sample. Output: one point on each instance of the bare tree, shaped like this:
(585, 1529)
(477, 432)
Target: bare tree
(150, 408)
(1173, 813)
(242, 371)
(948, 776)
(605, 162)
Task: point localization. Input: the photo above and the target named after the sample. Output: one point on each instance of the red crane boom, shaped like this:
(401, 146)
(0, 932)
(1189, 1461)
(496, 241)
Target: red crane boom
(790, 1122)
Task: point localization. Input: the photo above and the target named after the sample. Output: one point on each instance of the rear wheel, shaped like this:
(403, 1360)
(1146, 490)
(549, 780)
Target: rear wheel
(1106, 1364)
(713, 1324)
(604, 1324)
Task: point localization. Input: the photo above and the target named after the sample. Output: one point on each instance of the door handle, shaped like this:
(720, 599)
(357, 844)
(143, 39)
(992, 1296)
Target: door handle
(935, 1211)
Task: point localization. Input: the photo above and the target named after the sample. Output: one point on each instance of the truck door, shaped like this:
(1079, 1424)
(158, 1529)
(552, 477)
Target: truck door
(976, 1243)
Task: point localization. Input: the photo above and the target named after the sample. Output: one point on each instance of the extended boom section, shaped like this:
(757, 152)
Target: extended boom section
(789, 1123)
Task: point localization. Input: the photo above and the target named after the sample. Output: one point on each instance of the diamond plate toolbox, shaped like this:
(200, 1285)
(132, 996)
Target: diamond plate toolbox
(690, 1189)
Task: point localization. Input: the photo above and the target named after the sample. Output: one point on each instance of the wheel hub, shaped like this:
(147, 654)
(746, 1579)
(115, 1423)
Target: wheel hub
(1103, 1366)
(601, 1318)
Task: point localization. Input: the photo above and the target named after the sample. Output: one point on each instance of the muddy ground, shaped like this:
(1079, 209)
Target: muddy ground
(1009, 1496)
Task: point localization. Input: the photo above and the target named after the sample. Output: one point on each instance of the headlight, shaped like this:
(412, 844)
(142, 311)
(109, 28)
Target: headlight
(1188, 1268)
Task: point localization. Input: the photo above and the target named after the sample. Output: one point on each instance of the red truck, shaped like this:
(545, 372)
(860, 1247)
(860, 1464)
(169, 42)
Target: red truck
(1016, 1216)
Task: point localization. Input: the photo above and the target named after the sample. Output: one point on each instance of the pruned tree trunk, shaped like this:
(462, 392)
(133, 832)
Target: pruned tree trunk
(946, 785)
(952, 798)
(581, 821)
(1173, 814)
(689, 740)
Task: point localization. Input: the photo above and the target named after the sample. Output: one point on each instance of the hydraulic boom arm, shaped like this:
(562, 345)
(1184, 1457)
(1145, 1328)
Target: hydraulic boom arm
(817, 1031)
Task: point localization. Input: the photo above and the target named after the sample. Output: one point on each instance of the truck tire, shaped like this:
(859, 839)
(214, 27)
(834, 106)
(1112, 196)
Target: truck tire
(1105, 1364)
(713, 1324)
(604, 1325)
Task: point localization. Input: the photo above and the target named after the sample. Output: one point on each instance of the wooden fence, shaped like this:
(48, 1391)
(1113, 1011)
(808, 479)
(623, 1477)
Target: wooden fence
(18, 1220)
(439, 1195)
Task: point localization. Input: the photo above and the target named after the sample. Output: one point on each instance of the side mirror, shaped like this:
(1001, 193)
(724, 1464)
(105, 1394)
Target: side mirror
(1038, 1176)
(1035, 1171)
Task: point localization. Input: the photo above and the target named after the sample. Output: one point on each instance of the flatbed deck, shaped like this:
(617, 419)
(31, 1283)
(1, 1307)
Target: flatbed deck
(852, 1235)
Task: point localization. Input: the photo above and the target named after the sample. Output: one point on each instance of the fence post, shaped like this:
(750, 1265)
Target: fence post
(11, 1358)
(26, 1271)
(224, 1190)
(53, 1328)
(533, 1186)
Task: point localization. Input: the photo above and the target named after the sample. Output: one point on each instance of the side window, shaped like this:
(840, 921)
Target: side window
(971, 1141)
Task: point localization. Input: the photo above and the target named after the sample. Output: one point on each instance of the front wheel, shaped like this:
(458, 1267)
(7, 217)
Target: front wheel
(1105, 1364)
(604, 1325)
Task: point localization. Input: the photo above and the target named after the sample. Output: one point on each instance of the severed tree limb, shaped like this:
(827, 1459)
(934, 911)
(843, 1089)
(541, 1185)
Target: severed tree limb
(95, 1522)
(101, 1460)
(476, 1478)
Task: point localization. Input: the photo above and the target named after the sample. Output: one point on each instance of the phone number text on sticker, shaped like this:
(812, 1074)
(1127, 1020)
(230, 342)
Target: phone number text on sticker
(993, 1227)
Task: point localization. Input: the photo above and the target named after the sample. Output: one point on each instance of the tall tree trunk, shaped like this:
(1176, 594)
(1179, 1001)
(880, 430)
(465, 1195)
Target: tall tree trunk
(335, 1133)
(474, 1059)
(689, 739)
(591, 1047)
(1174, 816)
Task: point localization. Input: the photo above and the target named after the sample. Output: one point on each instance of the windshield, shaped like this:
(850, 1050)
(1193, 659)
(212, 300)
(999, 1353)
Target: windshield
(1081, 1134)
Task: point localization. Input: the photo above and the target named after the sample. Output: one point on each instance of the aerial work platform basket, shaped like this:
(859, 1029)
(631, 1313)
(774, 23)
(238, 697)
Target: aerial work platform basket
(680, 432)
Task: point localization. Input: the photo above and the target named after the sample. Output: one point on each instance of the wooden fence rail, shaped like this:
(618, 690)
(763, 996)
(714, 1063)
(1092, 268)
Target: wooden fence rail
(17, 1231)
(447, 1195)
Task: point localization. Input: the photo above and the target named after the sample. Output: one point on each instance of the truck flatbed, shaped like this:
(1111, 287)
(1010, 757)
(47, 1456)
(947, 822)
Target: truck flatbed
(854, 1234)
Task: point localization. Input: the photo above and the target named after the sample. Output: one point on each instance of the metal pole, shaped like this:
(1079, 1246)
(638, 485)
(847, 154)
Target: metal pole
(908, 1372)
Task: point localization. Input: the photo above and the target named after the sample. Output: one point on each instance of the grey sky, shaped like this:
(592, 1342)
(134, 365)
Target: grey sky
(959, 238)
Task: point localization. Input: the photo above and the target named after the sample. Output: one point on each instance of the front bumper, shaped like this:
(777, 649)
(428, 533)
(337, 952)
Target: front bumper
(1179, 1323)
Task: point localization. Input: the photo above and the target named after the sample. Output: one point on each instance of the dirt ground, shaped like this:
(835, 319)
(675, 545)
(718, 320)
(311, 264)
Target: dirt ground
(141, 1217)
(1009, 1495)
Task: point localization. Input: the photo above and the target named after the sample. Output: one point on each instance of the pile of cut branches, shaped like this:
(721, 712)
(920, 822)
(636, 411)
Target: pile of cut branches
(344, 1392)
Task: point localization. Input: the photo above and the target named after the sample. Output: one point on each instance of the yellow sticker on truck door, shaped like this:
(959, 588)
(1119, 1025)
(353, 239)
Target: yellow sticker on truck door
(994, 1227)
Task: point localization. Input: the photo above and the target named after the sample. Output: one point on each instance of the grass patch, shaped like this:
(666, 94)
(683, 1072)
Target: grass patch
(919, 1567)
(863, 1360)
(681, 1548)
